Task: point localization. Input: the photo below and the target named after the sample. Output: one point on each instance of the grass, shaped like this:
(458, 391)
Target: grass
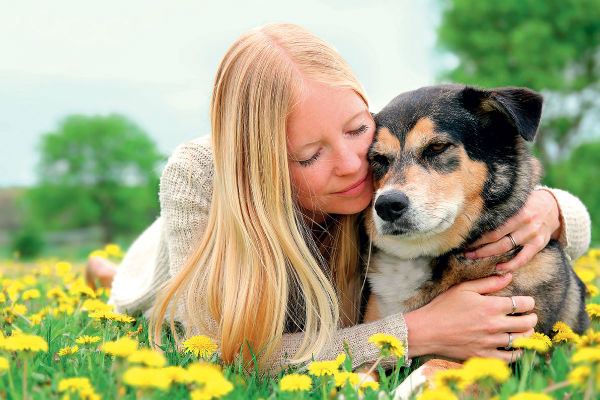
(61, 319)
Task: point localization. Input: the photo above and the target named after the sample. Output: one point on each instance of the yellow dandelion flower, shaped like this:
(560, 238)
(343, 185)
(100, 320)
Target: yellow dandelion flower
(592, 290)
(585, 274)
(340, 378)
(213, 389)
(17, 309)
(98, 253)
(295, 382)
(372, 385)
(340, 359)
(200, 345)
(591, 338)
(82, 290)
(110, 316)
(593, 311)
(13, 292)
(586, 354)
(122, 347)
(579, 375)
(451, 377)
(85, 339)
(36, 319)
(530, 396)
(564, 333)
(63, 268)
(29, 280)
(2, 297)
(146, 378)
(74, 384)
(440, 393)
(96, 305)
(23, 342)
(68, 350)
(3, 364)
(320, 368)
(147, 356)
(387, 344)
(479, 367)
(30, 294)
(538, 342)
(113, 250)
(203, 372)
(102, 291)
(176, 374)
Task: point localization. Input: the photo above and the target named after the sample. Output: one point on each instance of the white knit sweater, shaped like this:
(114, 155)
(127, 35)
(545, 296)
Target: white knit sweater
(185, 196)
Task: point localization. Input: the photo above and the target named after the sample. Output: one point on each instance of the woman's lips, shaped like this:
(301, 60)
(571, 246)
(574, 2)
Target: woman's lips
(355, 188)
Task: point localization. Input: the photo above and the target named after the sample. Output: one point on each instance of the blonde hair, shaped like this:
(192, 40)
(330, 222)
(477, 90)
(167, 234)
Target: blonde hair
(257, 251)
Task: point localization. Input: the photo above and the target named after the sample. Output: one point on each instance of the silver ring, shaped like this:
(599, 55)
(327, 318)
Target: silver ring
(514, 305)
(510, 341)
(512, 240)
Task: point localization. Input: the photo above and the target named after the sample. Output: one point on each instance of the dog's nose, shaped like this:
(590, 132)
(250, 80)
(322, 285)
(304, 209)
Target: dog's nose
(390, 206)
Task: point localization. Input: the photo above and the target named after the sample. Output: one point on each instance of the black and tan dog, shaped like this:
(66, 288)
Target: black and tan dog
(449, 163)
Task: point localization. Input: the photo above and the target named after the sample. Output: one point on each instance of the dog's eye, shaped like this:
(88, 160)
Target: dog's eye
(381, 160)
(436, 148)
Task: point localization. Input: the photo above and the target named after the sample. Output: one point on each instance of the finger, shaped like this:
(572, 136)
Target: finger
(523, 304)
(502, 246)
(511, 225)
(519, 323)
(501, 339)
(489, 284)
(507, 356)
(523, 257)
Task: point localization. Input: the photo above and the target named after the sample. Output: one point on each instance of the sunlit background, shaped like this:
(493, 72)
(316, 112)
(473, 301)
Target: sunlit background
(153, 62)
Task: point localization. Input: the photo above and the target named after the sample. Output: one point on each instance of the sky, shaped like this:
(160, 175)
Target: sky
(154, 61)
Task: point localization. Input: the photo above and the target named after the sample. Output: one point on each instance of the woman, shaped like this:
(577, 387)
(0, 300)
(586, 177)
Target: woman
(278, 191)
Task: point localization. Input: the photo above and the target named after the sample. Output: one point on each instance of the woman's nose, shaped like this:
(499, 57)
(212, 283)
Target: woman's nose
(348, 162)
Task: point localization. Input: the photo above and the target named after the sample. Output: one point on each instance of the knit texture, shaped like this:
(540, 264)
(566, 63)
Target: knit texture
(185, 196)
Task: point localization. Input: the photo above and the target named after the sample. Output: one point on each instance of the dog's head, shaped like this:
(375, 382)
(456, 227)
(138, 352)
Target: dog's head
(450, 162)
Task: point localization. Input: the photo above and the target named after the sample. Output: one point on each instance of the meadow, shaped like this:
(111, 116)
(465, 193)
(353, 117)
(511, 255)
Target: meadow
(60, 340)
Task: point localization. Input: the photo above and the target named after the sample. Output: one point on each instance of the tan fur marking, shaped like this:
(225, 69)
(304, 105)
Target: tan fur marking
(422, 132)
(372, 313)
(386, 142)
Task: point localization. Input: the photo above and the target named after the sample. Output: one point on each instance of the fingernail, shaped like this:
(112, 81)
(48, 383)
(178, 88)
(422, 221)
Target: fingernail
(500, 267)
(470, 254)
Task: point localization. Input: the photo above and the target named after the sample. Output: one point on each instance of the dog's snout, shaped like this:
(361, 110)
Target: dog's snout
(390, 206)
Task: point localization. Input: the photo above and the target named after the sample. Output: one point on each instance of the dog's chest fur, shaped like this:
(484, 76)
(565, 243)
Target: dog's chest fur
(396, 280)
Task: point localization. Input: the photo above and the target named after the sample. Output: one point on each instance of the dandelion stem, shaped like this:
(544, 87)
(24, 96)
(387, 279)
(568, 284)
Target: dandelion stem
(528, 357)
(591, 383)
(368, 373)
(25, 378)
(556, 386)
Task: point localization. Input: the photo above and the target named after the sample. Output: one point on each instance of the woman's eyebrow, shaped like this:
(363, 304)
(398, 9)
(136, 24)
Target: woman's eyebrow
(358, 114)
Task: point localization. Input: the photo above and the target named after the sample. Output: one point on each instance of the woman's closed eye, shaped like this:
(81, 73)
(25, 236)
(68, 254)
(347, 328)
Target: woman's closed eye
(305, 163)
(361, 129)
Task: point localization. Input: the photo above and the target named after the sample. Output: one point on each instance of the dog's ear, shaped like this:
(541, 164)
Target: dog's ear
(520, 107)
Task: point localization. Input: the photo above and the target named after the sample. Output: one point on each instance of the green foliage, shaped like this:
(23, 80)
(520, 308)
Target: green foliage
(579, 175)
(27, 243)
(96, 170)
(550, 46)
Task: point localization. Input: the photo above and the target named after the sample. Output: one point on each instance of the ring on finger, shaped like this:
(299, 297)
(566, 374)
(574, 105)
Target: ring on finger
(514, 243)
(514, 305)
(510, 341)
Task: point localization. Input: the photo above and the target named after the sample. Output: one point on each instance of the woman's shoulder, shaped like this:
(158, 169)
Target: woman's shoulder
(198, 150)
(189, 167)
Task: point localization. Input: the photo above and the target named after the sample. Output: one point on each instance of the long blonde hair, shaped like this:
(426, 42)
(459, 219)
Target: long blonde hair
(257, 250)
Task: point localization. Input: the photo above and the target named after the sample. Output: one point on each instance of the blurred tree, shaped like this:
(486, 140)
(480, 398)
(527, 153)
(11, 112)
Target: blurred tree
(96, 170)
(550, 46)
(578, 174)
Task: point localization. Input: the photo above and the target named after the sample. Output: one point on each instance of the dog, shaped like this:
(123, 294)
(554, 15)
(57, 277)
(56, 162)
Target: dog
(449, 163)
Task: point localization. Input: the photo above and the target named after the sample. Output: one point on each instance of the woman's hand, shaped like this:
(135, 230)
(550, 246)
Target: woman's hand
(462, 322)
(531, 228)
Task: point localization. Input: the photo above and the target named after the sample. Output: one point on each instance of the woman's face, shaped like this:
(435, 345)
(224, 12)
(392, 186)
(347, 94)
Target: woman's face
(329, 133)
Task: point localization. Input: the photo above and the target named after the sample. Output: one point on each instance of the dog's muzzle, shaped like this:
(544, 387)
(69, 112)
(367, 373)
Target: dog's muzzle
(390, 206)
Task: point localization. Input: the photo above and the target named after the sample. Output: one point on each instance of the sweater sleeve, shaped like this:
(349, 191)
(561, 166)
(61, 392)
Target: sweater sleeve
(575, 223)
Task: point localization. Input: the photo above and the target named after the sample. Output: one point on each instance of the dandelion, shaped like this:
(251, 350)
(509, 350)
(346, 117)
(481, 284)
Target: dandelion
(387, 344)
(586, 354)
(81, 289)
(591, 338)
(321, 368)
(63, 268)
(29, 280)
(176, 374)
(98, 253)
(96, 305)
(592, 290)
(30, 294)
(74, 384)
(3, 364)
(122, 347)
(340, 378)
(36, 319)
(200, 345)
(68, 350)
(295, 382)
(479, 368)
(146, 378)
(23, 342)
(538, 342)
(113, 250)
(579, 375)
(530, 396)
(85, 339)
(211, 379)
(437, 394)
(110, 316)
(56, 292)
(452, 377)
(148, 357)
(371, 385)
(2, 297)
(593, 311)
(564, 333)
